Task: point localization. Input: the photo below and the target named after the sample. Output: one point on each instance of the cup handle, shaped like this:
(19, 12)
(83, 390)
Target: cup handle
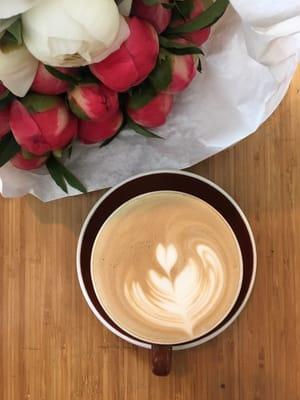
(161, 359)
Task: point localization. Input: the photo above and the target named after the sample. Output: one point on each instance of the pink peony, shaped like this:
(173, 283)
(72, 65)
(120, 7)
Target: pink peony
(21, 162)
(46, 83)
(154, 113)
(184, 70)
(157, 15)
(42, 123)
(198, 37)
(133, 62)
(93, 101)
(96, 131)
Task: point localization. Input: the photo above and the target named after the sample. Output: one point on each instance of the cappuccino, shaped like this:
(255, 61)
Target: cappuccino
(166, 267)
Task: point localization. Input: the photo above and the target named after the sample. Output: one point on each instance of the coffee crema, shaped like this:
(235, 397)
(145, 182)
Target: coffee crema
(166, 267)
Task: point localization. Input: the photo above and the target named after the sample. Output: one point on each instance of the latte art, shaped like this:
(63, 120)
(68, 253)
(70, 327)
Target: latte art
(166, 267)
(178, 302)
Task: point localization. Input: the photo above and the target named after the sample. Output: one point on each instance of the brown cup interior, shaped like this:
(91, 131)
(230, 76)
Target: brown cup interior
(177, 182)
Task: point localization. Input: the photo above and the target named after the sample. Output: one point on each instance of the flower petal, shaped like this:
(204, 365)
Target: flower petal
(8, 8)
(26, 131)
(17, 70)
(64, 33)
(51, 19)
(99, 19)
(54, 51)
(122, 35)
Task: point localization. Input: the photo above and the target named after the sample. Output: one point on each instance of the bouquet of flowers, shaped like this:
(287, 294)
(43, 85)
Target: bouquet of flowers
(85, 70)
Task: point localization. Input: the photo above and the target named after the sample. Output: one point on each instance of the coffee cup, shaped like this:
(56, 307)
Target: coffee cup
(148, 324)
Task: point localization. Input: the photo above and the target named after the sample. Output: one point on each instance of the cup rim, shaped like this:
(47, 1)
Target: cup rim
(136, 341)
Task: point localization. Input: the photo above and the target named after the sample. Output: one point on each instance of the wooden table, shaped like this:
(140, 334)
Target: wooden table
(53, 348)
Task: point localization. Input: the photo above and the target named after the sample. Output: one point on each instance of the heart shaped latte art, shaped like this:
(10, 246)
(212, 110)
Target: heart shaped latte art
(178, 300)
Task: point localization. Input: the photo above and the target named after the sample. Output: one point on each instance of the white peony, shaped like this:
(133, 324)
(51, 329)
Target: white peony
(72, 33)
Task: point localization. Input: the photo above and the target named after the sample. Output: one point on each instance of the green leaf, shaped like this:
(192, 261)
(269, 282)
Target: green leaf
(38, 103)
(70, 151)
(71, 179)
(167, 43)
(178, 48)
(204, 20)
(141, 95)
(186, 51)
(5, 99)
(72, 79)
(141, 130)
(151, 2)
(77, 110)
(56, 174)
(61, 175)
(184, 8)
(168, 6)
(207, 3)
(8, 148)
(16, 31)
(161, 76)
(109, 140)
(199, 66)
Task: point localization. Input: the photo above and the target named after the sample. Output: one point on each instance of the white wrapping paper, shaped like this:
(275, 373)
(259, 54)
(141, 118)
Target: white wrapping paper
(250, 60)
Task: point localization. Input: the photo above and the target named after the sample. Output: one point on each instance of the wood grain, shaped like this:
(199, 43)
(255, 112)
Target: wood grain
(53, 348)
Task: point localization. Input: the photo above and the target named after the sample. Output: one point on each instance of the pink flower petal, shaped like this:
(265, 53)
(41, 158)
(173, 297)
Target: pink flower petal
(20, 162)
(25, 130)
(95, 131)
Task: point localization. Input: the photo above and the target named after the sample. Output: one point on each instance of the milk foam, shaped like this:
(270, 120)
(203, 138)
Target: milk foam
(166, 267)
(180, 301)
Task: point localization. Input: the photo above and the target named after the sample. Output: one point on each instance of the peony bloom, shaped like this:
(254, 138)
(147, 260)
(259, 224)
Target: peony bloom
(198, 37)
(45, 83)
(156, 14)
(93, 101)
(91, 132)
(154, 113)
(184, 70)
(41, 124)
(133, 62)
(67, 33)
(21, 162)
